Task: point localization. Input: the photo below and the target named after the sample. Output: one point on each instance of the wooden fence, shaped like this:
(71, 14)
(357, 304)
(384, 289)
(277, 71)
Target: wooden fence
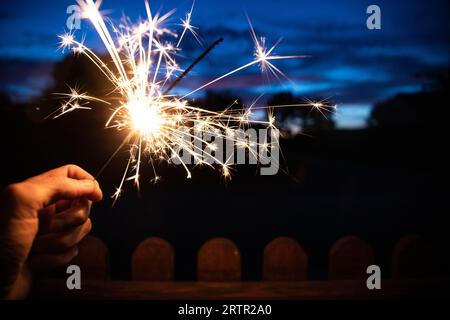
(285, 270)
(284, 259)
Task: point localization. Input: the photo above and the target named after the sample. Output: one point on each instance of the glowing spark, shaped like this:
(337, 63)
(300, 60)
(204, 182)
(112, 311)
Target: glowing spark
(186, 24)
(67, 40)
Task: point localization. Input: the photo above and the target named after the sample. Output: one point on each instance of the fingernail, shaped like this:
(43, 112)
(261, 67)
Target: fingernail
(87, 183)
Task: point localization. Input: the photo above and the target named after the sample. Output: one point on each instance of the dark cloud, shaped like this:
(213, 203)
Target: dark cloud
(30, 38)
(24, 78)
(6, 15)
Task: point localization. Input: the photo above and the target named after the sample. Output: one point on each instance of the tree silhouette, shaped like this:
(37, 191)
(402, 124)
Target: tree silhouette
(319, 118)
(5, 101)
(78, 71)
(307, 117)
(423, 110)
(218, 101)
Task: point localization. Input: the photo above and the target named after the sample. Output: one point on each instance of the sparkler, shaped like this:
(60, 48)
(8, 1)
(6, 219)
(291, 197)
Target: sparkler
(156, 121)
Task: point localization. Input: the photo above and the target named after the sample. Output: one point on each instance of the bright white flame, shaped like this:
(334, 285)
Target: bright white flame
(145, 119)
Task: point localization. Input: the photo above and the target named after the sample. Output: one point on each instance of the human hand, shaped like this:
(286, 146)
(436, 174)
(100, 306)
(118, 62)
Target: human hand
(54, 204)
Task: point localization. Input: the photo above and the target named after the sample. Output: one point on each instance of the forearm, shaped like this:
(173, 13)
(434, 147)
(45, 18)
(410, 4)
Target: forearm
(15, 278)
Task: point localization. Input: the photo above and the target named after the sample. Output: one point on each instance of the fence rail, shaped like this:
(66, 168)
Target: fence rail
(264, 290)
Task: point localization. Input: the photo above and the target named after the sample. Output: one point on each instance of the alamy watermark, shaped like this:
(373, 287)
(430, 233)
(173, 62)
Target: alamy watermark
(250, 146)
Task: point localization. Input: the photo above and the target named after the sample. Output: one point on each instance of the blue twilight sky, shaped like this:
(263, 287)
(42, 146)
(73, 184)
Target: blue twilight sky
(349, 63)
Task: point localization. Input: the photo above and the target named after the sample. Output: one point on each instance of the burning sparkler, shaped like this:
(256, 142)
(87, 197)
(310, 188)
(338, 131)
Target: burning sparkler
(156, 121)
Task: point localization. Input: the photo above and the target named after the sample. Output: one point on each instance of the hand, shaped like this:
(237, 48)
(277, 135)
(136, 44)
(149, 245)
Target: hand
(56, 204)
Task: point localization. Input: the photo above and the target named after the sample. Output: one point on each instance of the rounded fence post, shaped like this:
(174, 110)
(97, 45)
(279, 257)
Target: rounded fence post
(219, 259)
(412, 258)
(349, 258)
(153, 260)
(93, 259)
(284, 260)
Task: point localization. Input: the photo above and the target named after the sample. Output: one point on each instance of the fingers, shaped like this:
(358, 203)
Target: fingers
(48, 212)
(56, 243)
(68, 214)
(50, 261)
(63, 205)
(72, 217)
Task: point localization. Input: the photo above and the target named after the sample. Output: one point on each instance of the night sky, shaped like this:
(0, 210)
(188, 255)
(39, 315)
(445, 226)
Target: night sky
(354, 66)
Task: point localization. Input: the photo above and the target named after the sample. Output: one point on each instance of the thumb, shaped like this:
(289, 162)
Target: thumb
(64, 188)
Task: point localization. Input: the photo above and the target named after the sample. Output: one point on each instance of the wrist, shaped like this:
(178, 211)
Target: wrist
(20, 288)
